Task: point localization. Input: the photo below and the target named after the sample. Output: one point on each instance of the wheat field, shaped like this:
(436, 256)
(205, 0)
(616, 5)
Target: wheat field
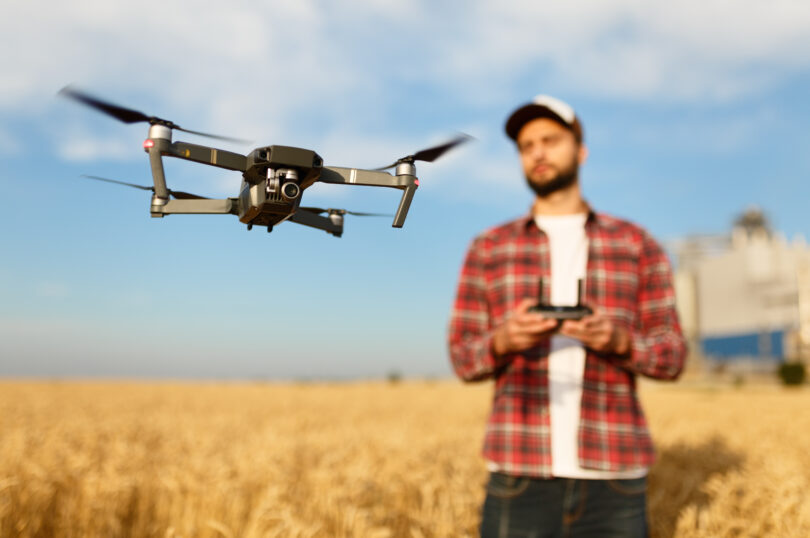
(365, 459)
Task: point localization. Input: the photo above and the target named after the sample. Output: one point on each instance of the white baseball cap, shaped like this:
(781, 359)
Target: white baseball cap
(543, 106)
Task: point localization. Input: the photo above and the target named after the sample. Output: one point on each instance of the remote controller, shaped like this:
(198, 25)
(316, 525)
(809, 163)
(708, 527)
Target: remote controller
(575, 312)
(562, 312)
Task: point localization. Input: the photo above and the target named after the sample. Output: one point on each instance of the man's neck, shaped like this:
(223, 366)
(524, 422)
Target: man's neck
(563, 202)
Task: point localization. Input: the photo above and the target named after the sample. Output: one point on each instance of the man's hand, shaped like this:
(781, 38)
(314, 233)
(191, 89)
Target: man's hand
(523, 330)
(598, 333)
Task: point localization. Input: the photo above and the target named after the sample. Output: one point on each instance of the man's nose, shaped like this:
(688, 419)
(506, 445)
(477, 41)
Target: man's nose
(538, 152)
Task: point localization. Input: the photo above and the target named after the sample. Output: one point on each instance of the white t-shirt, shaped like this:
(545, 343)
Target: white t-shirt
(568, 247)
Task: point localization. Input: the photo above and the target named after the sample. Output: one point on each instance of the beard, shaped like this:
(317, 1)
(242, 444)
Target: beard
(563, 179)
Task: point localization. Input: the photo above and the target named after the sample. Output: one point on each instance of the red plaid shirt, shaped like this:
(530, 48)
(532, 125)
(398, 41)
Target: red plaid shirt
(628, 279)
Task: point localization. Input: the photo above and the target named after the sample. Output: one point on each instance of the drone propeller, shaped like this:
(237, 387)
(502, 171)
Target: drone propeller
(180, 195)
(319, 210)
(127, 115)
(430, 154)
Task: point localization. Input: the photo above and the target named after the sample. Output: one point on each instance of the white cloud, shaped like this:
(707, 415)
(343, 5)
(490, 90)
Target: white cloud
(331, 77)
(272, 59)
(689, 50)
(89, 148)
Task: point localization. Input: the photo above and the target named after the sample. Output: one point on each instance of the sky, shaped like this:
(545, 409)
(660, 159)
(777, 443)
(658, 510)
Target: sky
(693, 112)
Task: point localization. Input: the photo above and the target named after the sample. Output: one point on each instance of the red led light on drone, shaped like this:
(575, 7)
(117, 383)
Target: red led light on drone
(148, 143)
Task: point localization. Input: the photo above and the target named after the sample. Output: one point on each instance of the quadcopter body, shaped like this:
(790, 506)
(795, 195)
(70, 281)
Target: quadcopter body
(273, 177)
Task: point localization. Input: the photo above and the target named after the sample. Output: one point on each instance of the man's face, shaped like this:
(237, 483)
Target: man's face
(550, 155)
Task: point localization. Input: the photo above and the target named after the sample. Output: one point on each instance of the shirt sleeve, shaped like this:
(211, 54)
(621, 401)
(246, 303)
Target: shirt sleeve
(470, 331)
(658, 347)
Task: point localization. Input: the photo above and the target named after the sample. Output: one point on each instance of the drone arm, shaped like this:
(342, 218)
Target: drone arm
(206, 206)
(308, 218)
(159, 144)
(354, 176)
(210, 156)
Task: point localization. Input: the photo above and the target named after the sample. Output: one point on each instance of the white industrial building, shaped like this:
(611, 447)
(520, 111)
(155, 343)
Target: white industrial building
(745, 296)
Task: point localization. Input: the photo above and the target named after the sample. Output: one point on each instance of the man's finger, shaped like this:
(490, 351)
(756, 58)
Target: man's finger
(537, 326)
(524, 305)
(572, 326)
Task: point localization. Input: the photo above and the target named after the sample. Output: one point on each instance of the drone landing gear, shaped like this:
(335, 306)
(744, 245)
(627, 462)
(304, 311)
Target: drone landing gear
(269, 227)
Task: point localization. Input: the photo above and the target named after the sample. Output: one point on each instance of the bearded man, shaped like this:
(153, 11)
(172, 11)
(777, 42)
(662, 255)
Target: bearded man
(567, 444)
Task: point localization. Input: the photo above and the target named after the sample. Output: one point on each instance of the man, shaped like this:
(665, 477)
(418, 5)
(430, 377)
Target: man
(566, 443)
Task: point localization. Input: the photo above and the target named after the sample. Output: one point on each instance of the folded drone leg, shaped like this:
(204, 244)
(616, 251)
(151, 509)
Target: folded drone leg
(329, 224)
(161, 196)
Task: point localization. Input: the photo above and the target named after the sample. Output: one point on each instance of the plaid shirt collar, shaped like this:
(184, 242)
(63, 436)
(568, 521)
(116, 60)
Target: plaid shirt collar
(527, 224)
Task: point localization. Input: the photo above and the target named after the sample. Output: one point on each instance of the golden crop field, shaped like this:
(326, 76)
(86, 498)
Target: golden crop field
(359, 459)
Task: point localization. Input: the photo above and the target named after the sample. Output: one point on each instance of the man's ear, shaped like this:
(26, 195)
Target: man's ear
(582, 154)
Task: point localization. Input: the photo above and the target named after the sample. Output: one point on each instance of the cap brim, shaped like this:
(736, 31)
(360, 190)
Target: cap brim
(527, 113)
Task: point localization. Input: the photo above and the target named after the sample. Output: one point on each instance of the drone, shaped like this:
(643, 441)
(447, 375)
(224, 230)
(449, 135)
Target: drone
(274, 177)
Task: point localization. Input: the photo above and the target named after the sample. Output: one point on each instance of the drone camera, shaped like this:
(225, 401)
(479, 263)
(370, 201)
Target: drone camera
(290, 190)
(283, 182)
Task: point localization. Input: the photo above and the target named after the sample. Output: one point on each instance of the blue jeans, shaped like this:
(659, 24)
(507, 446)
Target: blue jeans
(564, 507)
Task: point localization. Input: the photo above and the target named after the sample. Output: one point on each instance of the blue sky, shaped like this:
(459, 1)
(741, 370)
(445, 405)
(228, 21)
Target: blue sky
(693, 111)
